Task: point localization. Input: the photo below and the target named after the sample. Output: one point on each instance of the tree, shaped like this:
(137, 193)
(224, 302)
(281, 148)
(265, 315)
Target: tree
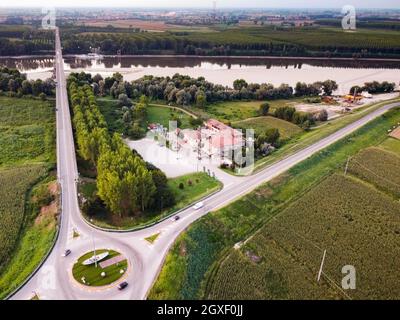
(123, 100)
(323, 115)
(201, 99)
(239, 84)
(328, 86)
(264, 109)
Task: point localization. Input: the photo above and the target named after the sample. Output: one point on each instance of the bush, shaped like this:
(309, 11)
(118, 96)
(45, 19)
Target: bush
(181, 186)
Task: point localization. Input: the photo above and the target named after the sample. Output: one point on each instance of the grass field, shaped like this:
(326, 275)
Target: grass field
(155, 114)
(92, 274)
(286, 129)
(197, 258)
(201, 185)
(27, 157)
(161, 115)
(232, 111)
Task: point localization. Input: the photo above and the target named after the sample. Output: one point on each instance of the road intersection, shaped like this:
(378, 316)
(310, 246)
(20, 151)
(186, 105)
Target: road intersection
(53, 280)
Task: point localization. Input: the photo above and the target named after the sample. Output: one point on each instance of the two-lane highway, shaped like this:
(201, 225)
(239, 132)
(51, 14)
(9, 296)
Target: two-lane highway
(53, 280)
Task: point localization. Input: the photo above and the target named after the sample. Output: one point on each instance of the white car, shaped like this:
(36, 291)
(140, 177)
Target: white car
(198, 205)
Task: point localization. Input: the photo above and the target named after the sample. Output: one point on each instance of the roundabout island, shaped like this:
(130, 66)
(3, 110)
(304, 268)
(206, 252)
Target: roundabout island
(100, 268)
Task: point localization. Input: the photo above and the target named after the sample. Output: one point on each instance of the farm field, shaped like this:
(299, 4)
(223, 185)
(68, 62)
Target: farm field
(358, 226)
(195, 186)
(194, 261)
(26, 162)
(26, 131)
(378, 167)
(286, 129)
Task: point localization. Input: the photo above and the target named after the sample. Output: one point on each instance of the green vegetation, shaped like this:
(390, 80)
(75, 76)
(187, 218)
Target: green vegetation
(193, 264)
(28, 213)
(378, 167)
(162, 115)
(113, 115)
(357, 225)
(92, 275)
(257, 40)
(195, 187)
(152, 238)
(286, 129)
(26, 131)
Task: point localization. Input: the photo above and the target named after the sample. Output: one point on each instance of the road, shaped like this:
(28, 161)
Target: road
(54, 281)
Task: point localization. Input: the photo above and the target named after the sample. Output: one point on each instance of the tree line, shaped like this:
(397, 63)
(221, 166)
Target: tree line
(185, 90)
(126, 184)
(374, 87)
(16, 84)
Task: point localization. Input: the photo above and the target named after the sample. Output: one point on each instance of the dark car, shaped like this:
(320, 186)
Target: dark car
(176, 218)
(122, 285)
(66, 253)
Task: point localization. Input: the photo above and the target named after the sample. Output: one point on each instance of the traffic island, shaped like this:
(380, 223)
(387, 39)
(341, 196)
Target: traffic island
(100, 268)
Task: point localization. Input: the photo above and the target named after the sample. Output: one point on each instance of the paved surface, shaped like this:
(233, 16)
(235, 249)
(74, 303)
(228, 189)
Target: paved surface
(54, 279)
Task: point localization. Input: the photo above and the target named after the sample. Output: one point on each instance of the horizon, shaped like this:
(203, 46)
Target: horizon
(197, 4)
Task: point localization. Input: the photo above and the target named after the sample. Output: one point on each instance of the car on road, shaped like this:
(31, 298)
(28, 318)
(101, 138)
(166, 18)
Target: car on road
(176, 218)
(198, 205)
(66, 253)
(122, 285)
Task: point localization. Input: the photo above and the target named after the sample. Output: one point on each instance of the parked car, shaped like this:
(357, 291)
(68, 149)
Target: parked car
(66, 253)
(122, 285)
(198, 205)
(176, 218)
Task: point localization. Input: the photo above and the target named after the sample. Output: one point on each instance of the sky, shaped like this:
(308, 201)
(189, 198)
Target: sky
(205, 3)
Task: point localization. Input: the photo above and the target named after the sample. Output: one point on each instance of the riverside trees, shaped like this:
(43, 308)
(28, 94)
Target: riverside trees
(124, 182)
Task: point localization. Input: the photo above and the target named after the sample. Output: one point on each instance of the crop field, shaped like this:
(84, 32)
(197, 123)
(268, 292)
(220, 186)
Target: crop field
(26, 131)
(14, 185)
(27, 144)
(260, 124)
(379, 167)
(355, 223)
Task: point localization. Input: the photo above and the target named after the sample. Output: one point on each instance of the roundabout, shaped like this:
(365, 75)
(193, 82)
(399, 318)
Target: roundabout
(100, 269)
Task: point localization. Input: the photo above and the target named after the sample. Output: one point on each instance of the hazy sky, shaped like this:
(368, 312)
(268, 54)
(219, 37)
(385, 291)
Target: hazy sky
(206, 3)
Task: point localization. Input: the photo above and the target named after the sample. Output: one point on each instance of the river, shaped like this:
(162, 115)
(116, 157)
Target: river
(221, 70)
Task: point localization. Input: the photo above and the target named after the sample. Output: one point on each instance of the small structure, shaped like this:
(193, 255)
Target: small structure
(93, 259)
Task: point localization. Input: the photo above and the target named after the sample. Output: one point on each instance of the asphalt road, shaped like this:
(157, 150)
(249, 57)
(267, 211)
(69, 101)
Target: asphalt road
(54, 280)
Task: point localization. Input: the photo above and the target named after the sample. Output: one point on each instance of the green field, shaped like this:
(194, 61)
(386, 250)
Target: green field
(200, 185)
(155, 114)
(195, 260)
(286, 129)
(92, 274)
(26, 131)
(232, 111)
(163, 115)
(27, 159)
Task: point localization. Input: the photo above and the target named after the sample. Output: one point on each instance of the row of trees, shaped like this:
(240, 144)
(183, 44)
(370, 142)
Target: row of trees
(11, 80)
(184, 90)
(374, 87)
(125, 183)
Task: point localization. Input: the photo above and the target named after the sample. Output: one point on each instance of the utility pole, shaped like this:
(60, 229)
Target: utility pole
(322, 264)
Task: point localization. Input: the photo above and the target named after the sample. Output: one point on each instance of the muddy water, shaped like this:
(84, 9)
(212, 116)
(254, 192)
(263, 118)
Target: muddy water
(222, 70)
